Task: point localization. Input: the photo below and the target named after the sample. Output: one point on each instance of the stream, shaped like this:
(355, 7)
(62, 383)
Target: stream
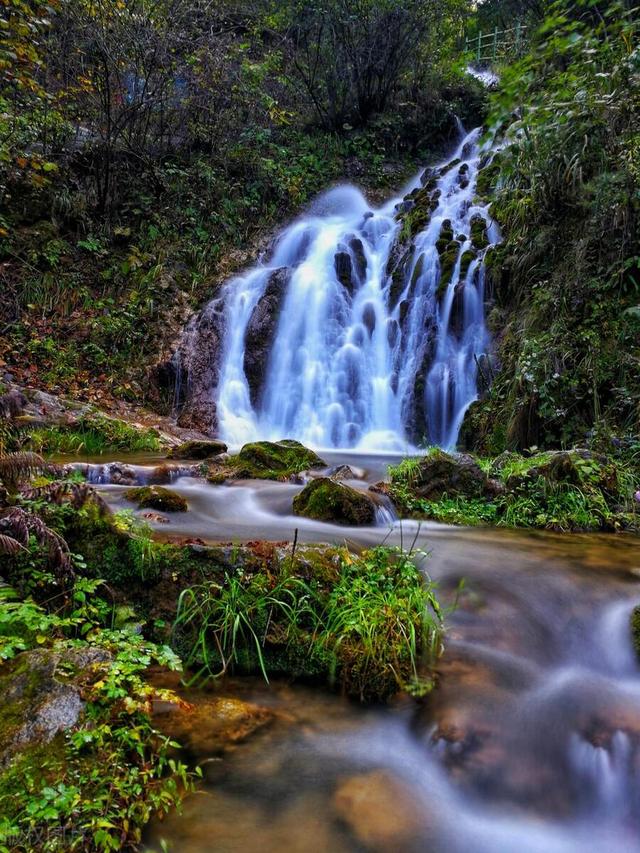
(530, 743)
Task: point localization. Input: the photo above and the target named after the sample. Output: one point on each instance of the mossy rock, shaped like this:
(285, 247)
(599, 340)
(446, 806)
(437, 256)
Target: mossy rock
(157, 497)
(197, 449)
(439, 474)
(447, 264)
(479, 236)
(325, 500)
(266, 460)
(465, 261)
(635, 629)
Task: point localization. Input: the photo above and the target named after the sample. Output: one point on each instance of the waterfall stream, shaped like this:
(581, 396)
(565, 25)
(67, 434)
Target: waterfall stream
(355, 334)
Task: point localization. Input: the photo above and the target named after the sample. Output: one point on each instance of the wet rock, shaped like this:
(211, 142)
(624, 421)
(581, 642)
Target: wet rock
(342, 472)
(213, 725)
(369, 318)
(325, 500)
(266, 460)
(198, 449)
(380, 810)
(440, 474)
(261, 330)
(12, 404)
(479, 236)
(155, 517)
(198, 359)
(38, 700)
(359, 257)
(118, 474)
(157, 497)
(344, 270)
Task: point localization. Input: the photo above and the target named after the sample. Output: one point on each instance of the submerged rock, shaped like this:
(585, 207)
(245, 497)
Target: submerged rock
(635, 629)
(196, 449)
(380, 810)
(157, 497)
(212, 725)
(325, 500)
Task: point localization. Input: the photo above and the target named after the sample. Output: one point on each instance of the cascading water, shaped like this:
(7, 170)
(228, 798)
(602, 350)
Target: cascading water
(361, 331)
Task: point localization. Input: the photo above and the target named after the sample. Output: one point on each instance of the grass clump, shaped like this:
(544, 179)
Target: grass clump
(371, 624)
(93, 435)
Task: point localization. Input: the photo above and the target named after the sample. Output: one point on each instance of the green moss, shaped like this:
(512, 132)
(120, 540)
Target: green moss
(635, 629)
(465, 261)
(196, 449)
(157, 497)
(448, 260)
(325, 500)
(479, 236)
(266, 460)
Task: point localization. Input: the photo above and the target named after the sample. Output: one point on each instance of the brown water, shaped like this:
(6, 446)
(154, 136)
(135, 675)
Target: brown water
(531, 744)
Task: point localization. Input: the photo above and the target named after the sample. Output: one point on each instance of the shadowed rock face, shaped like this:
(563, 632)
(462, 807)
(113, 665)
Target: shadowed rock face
(261, 331)
(199, 358)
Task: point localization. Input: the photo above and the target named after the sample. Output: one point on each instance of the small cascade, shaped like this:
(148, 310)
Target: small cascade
(364, 328)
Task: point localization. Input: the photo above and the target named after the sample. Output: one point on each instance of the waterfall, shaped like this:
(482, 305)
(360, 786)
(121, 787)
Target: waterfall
(364, 327)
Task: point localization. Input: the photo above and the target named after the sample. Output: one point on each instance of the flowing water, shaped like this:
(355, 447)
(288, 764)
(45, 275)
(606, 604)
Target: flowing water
(357, 358)
(530, 744)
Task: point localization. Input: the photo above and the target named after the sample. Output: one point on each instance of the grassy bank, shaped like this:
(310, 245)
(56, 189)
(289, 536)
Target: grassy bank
(565, 491)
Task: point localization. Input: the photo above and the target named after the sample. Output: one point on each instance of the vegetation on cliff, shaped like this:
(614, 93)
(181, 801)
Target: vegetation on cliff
(565, 191)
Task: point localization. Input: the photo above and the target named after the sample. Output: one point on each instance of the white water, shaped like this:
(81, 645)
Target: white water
(342, 368)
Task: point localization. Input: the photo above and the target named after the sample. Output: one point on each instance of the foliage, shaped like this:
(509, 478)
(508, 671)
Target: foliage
(564, 491)
(566, 195)
(369, 627)
(93, 435)
(60, 794)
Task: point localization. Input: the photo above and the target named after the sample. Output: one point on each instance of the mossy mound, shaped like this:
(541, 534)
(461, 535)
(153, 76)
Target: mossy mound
(325, 500)
(635, 629)
(197, 449)
(479, 236)
(556, 490)
(157, 497)
(266, 460)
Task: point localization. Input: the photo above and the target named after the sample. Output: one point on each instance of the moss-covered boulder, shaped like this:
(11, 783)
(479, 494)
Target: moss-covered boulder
(40, 695)
(438, 474)
(198, 449)
(324, 499)
(266, 460)
(157, 497)
(479, 236)
(635, 629)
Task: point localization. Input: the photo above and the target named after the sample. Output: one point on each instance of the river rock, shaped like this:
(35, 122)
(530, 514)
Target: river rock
(325, 500)
(261, 330)
(157, 497)
(198, 449)
(380, 810)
